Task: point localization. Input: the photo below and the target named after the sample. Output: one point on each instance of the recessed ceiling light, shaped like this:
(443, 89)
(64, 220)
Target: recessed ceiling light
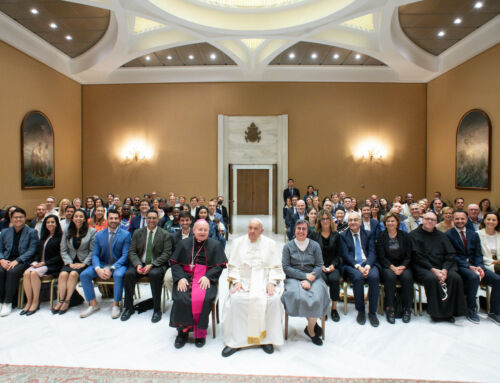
(458, 20)
(213, 56)
(169, 57)
(68, 37)
(191, 57)
(336, 56)
(148, 58)
(291, 55)
(358, 56)
(34, 11)
(53, 25)
(314, 56)
(441, 33)
(479, 4)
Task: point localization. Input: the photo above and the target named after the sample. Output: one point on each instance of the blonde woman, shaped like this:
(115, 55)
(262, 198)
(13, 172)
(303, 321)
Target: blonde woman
(447, 222)
(62, 208)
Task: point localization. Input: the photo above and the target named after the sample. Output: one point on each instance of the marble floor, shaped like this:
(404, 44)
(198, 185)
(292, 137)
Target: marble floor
(462, 351)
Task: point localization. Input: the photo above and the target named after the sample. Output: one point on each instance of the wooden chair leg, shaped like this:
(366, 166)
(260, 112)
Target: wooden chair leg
(20, 297)
(488, 299)
(213, 320)
(415, 312)
(323, 326)
(52, 293)
(217, 310)
(420, 299)
(164, 299)
(286, 326)
(345, 298)
(380, 302)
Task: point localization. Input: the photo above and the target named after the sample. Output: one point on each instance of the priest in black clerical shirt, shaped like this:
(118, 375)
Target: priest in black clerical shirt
(435, 267)
(196, 267)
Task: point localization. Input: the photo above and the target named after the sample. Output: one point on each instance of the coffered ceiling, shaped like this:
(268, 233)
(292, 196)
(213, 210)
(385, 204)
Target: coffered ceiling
(131, 41)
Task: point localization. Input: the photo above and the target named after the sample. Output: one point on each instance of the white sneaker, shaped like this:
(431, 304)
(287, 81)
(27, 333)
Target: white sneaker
(6, 309)
(89, 311)
(115, 312)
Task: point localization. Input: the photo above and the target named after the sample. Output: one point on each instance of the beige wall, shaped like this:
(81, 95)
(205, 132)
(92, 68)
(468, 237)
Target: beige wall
(326, 123)
(25, 85)
(474, 84)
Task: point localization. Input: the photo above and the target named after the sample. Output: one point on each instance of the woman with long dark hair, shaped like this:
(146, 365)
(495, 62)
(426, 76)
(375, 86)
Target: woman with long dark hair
(47, 262)
(77, 244)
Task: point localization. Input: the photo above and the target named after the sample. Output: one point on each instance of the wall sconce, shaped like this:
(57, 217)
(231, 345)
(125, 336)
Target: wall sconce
(136, 151)
(371, 151)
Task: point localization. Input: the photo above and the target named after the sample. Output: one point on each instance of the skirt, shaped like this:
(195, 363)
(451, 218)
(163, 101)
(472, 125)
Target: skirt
(68, 269)
(41, 271)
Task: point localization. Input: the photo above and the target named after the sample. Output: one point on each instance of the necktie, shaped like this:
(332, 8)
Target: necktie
(143, 221)
(464, 241)
(110, 247)
(149, 248)
(359, 256)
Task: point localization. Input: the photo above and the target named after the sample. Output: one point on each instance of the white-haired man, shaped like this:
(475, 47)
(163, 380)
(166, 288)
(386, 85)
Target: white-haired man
(253, 310)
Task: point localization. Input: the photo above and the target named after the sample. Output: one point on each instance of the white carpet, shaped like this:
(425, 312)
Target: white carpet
(418, 350)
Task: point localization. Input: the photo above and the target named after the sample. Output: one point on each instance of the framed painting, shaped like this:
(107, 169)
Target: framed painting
(473, 151)
(37, 152)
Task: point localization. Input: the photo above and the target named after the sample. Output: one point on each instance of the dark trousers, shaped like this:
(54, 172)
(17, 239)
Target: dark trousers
(358, 286)
(333, 281)
(471, 285)
(131, 277)
(9, 282)
(390, 280)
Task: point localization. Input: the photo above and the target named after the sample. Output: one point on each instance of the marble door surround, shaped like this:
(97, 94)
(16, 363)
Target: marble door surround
(235, 147)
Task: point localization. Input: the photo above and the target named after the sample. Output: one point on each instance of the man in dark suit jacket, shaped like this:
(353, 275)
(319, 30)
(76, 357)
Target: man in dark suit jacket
(149, 252)
(290, 191)
(360, 266)
(471, 268)
(139, 221)
(370, 225)
(18, 246)
(300, 214)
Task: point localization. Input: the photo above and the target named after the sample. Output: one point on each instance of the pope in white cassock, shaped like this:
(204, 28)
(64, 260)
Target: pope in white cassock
(253, 309)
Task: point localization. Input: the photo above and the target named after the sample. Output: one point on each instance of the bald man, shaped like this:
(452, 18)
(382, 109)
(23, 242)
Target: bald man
(253, 310)
(197, 264)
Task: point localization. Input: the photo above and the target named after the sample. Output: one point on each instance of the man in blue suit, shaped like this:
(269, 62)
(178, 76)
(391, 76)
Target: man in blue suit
(109, 259)
(18, 245)
(370, 225)
(139, 221)
(299, 214)
(360, 265)
(469, 258)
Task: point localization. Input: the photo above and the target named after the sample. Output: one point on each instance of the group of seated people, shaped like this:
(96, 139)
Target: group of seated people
(181, 247)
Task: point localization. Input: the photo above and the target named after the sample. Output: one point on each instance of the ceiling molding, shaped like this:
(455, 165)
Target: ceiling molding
(102, 64)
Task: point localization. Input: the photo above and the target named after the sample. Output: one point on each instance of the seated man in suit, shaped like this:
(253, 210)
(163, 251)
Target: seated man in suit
(150, 250)
(469, 257)
(109, 260)
(194, 206)
(339, 217)
(18, 246)
(222, 210)
(336, 203)
(414, 220)
(459, 203)
(214, 216)
(300, 214)
(290, 191)
(361, 265)
(139, 221)
(370, 225)
(196, 267)
(185, 232)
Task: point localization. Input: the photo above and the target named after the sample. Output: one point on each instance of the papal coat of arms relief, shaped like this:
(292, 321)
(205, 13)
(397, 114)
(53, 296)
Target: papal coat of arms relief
(252, 134)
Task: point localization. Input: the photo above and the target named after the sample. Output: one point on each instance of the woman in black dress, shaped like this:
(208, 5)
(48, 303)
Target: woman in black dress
(325, 233)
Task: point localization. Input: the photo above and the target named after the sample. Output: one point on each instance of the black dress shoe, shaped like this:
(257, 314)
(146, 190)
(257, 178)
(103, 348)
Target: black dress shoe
(372, 317)
(315, 339)
(199, 342)
(23, 312)
(32, 312)
(268, 348)
(318, 331)
(54, 311)
(335, 315)
(406, 316)
(156, 316)
(127, 314)
(391, 317)
(450, 319)
(228, 351)
(180, 339)
(361, 318)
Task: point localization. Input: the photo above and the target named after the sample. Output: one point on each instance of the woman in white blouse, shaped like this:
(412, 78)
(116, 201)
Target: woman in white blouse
(489, 233)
